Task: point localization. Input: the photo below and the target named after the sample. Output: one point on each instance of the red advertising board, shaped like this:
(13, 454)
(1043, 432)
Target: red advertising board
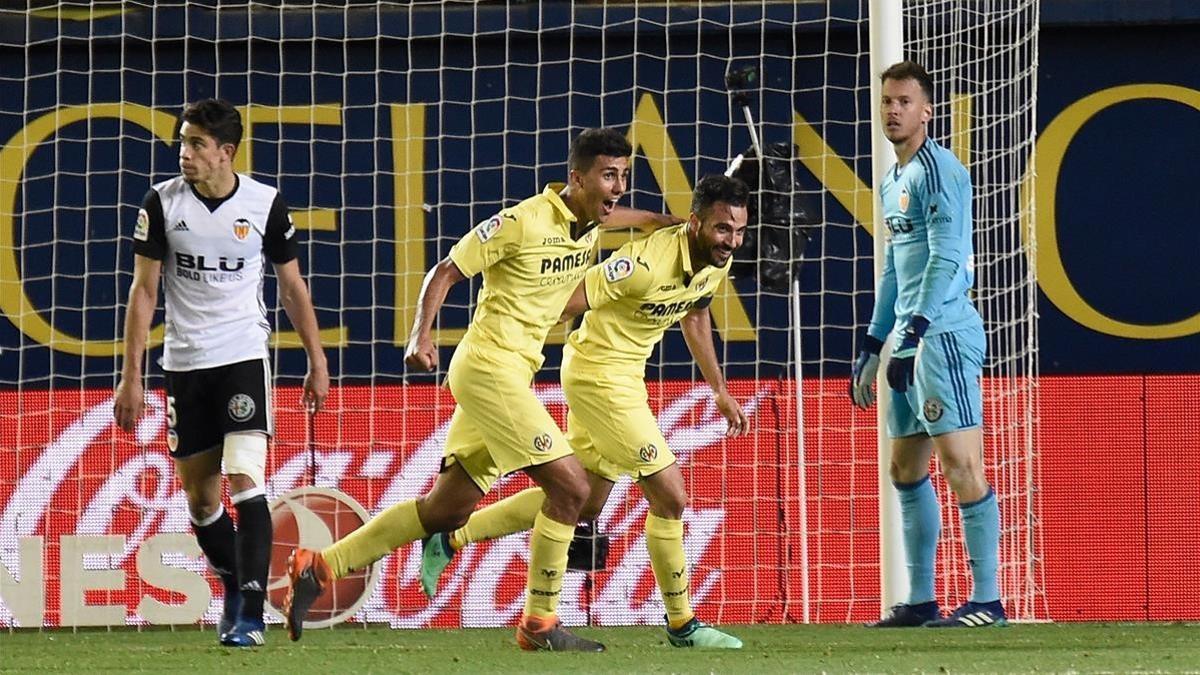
(94, 528)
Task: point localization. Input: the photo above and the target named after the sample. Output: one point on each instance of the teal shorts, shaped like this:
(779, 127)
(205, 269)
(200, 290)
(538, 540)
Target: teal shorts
(946, 395)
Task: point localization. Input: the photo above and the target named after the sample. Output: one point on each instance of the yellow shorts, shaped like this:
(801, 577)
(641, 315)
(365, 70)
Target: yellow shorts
(499, 425)
(609, 423)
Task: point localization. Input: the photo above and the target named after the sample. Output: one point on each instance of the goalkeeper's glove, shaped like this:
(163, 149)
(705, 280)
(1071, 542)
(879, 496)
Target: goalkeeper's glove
(904, 358)
(862, 375)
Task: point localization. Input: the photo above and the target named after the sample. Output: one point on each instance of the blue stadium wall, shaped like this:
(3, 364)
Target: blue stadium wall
(1119, 92)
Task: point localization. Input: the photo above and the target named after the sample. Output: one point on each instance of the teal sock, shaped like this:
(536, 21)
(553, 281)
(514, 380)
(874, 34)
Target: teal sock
(921, 515)
(981, 527)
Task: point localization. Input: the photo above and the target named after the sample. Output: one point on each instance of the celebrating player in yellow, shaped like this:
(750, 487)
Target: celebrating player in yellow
(532, 257)
(634, 296)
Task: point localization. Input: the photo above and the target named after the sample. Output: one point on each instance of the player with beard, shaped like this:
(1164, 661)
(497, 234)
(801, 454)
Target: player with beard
(532, 257)
(630, 300)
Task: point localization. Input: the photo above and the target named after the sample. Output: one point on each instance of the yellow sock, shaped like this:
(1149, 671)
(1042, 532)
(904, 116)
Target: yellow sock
(512, 514)
(664, 541)
(389, 530)
(547, 563)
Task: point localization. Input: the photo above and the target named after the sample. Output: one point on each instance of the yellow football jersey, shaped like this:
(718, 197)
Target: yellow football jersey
(641, 290)
(530, 267)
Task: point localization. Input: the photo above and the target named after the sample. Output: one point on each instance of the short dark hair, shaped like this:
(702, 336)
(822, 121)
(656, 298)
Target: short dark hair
(217, 117)
(910, 70)
(718, 188)
(593, 143)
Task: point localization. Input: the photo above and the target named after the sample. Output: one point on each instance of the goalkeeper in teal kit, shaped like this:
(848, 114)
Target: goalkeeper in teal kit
(937, 356)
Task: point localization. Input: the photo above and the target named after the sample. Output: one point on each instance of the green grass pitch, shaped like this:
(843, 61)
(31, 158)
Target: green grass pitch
(1114, 648)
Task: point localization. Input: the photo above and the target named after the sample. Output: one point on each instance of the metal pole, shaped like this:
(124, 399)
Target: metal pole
(803, 470)
(886, 26)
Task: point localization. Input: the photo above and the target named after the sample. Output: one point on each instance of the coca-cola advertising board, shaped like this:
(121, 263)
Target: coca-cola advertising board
(94, 528)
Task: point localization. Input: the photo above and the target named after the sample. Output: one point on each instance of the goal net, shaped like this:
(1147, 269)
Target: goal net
(983, 57)
(391, 129)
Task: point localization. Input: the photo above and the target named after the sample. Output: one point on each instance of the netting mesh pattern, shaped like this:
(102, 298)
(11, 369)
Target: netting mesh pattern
(391, 130)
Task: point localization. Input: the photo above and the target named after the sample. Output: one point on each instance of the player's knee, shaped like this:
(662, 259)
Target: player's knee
(240, 482)
(245, 457)
(442, 515)
(569, 495)
(567, 503)
(203, 497)
(903, 474)
(591, 510)
(202, 506)
(670, 505)
(960, 465)
(965, 480)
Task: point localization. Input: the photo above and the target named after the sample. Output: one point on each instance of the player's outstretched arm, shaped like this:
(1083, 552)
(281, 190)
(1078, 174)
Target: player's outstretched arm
(143, 297)
(697, 332)
(421, 352)
(293, 293)
(623, 218)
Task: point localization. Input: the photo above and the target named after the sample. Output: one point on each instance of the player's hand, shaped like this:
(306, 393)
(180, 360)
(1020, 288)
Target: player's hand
(128, 402)
(862, 374)
(732, 412)
(421, 354)
(316, 389)
(662, 220)
(904, 358)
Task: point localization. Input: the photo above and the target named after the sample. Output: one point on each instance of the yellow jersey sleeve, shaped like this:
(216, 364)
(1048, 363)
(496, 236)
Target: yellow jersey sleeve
(624, 274)
(488, 243)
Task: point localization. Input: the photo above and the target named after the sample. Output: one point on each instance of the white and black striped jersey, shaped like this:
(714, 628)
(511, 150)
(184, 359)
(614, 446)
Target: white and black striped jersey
(213, 267)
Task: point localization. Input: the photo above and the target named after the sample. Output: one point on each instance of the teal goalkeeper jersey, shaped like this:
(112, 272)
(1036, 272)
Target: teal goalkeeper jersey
(928, 266)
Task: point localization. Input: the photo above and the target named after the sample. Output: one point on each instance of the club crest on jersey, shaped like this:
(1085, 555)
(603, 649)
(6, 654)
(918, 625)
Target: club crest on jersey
(933, 409)
(543, 442)
(141, 231)
(903, 200)
(648, 452)
(488, 229)
(241, 407)
(618, 269)
(241, 229)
